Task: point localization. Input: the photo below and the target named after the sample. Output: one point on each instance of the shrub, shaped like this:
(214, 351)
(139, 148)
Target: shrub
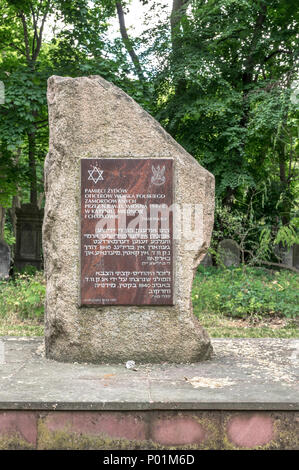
(237, 293)
(23, 296)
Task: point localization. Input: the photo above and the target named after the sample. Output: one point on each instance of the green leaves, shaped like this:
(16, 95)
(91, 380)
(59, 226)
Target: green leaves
(224, 94)
(219, 80)
(288, 235)
(257, 292)
(28, 57)
(23, 297)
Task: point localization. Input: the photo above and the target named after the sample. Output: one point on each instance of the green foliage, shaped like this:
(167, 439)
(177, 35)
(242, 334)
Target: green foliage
(257, 292)
(263, 250)
(224, 94)
(24, 108)
(252, 236)
(23, 297)
(256, 237)
(288, 235)
(9, 238)
(229, 223)
(219, 76)
(39, 39)
(223, 326)
(218, 295)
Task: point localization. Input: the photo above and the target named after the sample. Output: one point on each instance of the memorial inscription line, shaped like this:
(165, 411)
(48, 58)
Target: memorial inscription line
(187, 218)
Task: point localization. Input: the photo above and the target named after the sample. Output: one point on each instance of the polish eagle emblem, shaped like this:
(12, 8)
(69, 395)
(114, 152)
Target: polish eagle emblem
(158, 177)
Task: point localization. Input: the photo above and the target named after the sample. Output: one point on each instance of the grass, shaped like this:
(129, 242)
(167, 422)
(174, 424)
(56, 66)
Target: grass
(254, 303)
(229, 303)
(22, 305)
(220, 326)
(20, 329)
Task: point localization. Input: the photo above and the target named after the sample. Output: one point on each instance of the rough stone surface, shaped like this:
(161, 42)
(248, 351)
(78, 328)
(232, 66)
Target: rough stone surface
(229, 252)
(91, 118)
(242, 374)
(285, 255)
(248, 400)
(4, 260)
(19, 424)
(176, 429)
(250, 430)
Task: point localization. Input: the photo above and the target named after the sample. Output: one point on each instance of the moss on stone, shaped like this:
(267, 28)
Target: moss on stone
(14, 442)
(212, 429)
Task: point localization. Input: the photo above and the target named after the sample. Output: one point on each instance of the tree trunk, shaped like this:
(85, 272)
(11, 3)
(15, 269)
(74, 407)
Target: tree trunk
(2, 221)
(246, 80)
(127, 42)
(179, 8)
(32, 168)
(15, 204)
(229, 196)
(285, 203)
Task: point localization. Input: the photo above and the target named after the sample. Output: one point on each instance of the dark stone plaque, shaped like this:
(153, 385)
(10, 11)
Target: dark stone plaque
(126, 231)
(4, 260)
(28, 249)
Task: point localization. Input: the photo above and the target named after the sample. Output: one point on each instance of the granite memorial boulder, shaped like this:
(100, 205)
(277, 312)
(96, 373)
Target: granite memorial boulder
(128, 218)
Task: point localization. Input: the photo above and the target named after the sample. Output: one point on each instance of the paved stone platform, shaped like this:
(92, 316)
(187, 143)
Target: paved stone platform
(246, 396)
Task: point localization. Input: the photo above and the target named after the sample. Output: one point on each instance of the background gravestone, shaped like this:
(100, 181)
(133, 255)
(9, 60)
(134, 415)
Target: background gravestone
(4, 260)
(91, 119)
(288, 256)
(29, 236)
(296, 256)
(207, 260)
(229, 252)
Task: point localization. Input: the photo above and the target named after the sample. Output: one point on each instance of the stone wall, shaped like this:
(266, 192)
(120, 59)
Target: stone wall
(156, 429)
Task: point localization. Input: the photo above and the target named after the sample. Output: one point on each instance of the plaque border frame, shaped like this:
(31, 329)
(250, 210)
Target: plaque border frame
(174, 244)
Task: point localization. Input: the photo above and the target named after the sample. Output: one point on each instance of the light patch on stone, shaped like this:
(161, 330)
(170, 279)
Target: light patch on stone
(199, 382)
(2, 352)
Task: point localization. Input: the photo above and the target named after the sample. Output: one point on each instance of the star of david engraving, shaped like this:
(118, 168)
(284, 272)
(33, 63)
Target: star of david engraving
(95, 175)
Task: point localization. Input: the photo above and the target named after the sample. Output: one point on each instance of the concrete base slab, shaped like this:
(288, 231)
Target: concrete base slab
(245, 396)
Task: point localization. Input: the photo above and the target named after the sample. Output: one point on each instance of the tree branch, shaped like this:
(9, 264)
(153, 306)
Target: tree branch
(179, 7)
(270, 263)
(35, 37)
(250, 62)
(231, 35)
(40, 35)
(127, 42)
(17, 48)
(43, 125)
(26, 36)
(279, 265)
(274, 53)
